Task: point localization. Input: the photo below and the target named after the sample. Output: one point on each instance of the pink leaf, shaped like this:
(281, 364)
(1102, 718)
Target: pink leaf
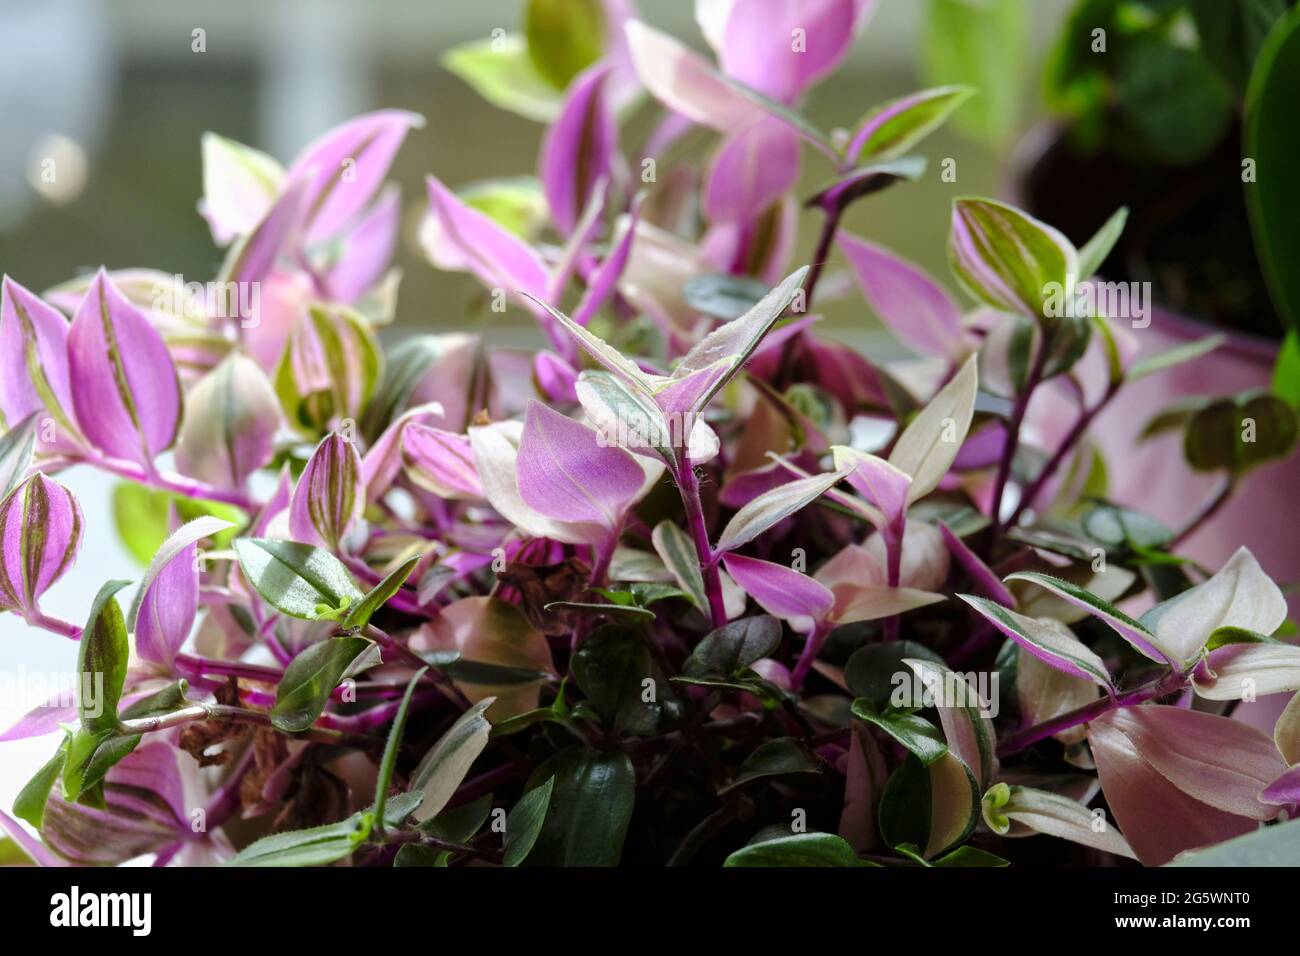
(1159, 819)
(579, 148)
(343, 170)
(783, 47)
(367, 250)
(33, 358)
(912, 304)
(329, 496)
(168, 599)
(124, 385)
(567, 474)
(471, 241)
(440, 461)
(780, 590)
(755, 166)
(40, 534)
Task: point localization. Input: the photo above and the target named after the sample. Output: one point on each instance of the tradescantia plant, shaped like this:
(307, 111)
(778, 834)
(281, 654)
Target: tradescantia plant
(692, 584)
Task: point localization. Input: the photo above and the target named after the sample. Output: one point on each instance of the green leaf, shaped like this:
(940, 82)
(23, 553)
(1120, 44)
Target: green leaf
(900, 124)
(454, 826)
(516, 203)
(298, 579)
(723, 296)
(164, 701)
(360, 613)
(501, 71)
(310, 678)
(965, 856)
(30, 803)
(982, 44)
(875, 670)
(102, 660)
(774, 758)
(629, 613)
(1123, 529)
(408, 363)
(918, 735)
(1241, 432)
(1009, 260)
(16, 449)
(675, 547)
(627, 412)
(394, 743)
(444, 767)
(564, 37)
(524, 822)
(796, 849)
(1095, 251)
(1268, 846)
(610, 668)
(1223, 636)
(730, 649)
(1286, 374)
(1231, 33)
(90, 756)
(1175, 356)
(1176, 105)
(590, 808)
(934, 808)
(318, 846)
(1132, 631)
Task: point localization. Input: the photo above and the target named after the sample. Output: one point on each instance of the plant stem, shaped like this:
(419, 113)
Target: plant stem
(260, 718)
(1071, 439)
(1028, 736)
(689, 486)
(821, 254)
(179, 484)
(1013, 435)
(39, 618)
(1208, 511)
(808, 655)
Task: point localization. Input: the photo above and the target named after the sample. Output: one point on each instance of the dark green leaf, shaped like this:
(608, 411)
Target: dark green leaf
(874, 671)
(90, 756)
(524, 822)
(310, 678)
(361, 612)
(1241, 432)
(915, 733)
(172, 697)
(796, 849)
(590, 808)
(734, 647)
(102, 660)
(298, 579)
(773, 758)
(965, 856)
(30, 803)
(610, 667)
(393, 744)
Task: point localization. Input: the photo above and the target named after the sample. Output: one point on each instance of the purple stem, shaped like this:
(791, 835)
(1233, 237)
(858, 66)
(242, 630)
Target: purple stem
(1071, 439)
(1029, 736)
(166, 481)
(809, 654)
(1013, 435)
(689, 486)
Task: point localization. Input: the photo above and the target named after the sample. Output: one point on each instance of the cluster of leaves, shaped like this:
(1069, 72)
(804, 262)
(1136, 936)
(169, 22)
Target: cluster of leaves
(694, 583)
